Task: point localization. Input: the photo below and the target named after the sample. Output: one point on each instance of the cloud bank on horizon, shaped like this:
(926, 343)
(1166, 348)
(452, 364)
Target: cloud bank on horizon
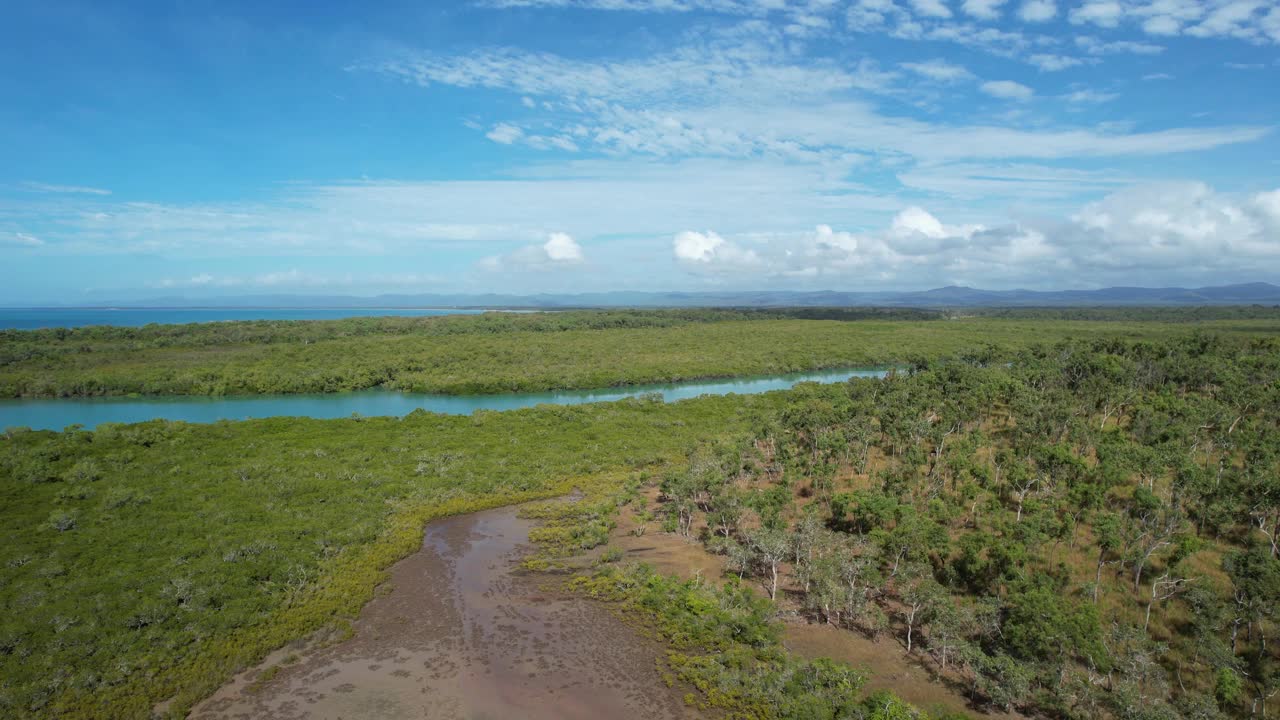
(584, 145)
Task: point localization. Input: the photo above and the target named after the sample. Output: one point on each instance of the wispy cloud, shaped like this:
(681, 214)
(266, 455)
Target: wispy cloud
(1089, 97)
(20, 239)
(65, 189)
(751, 102)
(1049, 62)
(1007, 90)
(939, 70)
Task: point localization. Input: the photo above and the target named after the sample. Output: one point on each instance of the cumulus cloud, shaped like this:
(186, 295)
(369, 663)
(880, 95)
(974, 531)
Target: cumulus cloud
(1050, 62)
(1104, 13)
(931, 8)
(1038, 11)
(1175, 233)
(559, 247)
(710, 250)
(1164, 226)
(559, 251)
(939, 70)
(1007, 90)
(983, 9)
(1089, 97)
(505, 134)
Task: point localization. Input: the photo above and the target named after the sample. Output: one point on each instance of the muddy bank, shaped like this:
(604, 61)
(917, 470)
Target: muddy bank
(460, 632)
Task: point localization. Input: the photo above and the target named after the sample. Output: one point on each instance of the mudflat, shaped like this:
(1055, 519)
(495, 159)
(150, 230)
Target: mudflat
(462, 632)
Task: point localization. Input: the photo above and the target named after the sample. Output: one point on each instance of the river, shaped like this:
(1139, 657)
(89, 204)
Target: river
(58, 413)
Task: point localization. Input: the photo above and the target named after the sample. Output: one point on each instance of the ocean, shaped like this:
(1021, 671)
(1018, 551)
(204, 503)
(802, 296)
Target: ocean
(34, 318)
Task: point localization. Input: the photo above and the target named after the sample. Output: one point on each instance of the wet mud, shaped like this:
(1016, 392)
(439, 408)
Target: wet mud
(460, 631)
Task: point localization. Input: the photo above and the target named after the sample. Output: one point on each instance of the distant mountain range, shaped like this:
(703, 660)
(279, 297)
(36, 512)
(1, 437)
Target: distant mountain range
(1258, 293)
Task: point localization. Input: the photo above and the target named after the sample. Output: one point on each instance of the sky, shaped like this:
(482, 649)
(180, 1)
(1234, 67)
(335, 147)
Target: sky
(194, 149)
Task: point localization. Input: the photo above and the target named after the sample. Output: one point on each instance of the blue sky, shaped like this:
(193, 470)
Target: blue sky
(201, 148)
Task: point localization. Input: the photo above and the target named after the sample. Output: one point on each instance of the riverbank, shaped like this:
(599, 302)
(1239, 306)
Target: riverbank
(460, 631)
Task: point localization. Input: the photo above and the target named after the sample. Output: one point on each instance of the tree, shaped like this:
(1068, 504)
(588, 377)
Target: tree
(1153, 526)
(769, 548)
(949, 630)
(726, 508)
(1107, 530)
(805, 541)
(921, 597)
(1042, 624)
(1166, 586)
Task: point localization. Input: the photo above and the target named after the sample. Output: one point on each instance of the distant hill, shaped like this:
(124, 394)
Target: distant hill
(1259, 293)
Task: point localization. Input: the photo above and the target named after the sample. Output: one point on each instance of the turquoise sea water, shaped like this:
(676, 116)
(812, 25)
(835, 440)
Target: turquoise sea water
(34, 318)
(56, 414)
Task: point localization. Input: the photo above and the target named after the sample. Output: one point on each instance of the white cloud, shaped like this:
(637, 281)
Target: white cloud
(931, 8)
(1037, 11)
(1053, 63)
(755, 8)
(983, 9)
(1011, 181)
(1161, 25)
(939, 70)
(559, 251)
(560, 247)
(1180, 233)
(1007, 90)
(504, 133)
(695, 246)
(1094, 46)
(710, 250)
(65, 189)
(1089, 97)
(1268, 206)
(1103, 13)
(746, 102)
(1162, 226)
(1235, 18)
(1250, 20)
(915, 220)
(20, 239)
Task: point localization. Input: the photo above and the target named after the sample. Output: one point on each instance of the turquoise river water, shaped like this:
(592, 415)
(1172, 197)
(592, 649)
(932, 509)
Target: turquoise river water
(58, 413)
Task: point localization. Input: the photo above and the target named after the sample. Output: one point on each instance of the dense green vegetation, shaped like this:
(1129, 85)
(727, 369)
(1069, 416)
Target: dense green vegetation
(1130, 314)
(503, 352)
(1082, 530)
(151, 561)
(1079, 529)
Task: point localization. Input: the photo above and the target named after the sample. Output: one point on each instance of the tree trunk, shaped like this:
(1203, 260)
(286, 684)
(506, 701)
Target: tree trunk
(911, 619)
